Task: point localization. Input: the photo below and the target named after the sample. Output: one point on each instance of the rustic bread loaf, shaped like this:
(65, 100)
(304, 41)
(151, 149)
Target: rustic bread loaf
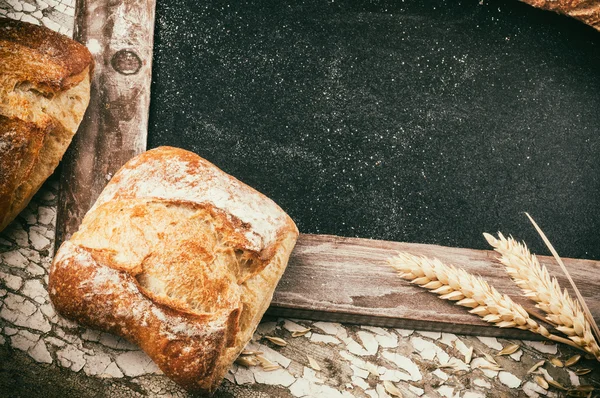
(179, 258)
(44, 91)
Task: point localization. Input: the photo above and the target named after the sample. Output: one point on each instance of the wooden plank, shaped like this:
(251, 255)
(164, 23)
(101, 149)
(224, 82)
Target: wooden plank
(347, 280)
(120, 35)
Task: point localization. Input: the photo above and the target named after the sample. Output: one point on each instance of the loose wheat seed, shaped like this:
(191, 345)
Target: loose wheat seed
(510, 349)
(391, 389)
(277, 341)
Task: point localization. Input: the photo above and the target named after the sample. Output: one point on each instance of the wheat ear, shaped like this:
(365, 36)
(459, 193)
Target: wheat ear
(537, 284)
(456, 284)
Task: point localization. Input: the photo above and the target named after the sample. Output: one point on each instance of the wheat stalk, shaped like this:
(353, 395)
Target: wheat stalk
(537, 284)
(456, 284)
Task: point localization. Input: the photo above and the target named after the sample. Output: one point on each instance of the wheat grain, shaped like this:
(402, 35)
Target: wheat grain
(456, 284)
(537, 284)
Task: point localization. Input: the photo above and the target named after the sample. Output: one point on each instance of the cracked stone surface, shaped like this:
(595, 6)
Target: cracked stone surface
(42, 354)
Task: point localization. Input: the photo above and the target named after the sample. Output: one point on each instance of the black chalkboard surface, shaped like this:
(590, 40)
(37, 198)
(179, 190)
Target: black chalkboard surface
(412, 121)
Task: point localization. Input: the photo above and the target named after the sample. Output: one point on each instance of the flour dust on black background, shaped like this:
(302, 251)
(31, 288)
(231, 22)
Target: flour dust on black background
(395, 120)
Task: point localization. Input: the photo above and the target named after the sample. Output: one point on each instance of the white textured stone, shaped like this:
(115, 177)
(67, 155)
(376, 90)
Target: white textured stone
(10, 331)
(323, 338)
(573, 378)
(244, 376)
(327, 391)
(12, 282)
(39, 352)
(332, 328)
(30, 19)
(404, 332)
(431, 335)
(38, 322)
(446, 391)
(18, 233)
(418, 391)
(38, 15)
(279, 377)
(355, 348)
(113, 371)
(50, 23)
(390, 341)
(2, 340)
(404, 363)
(358, 372)
(35, 270)
(267, 328)
(229, 377)
(35, 290)
(479, 382)
(425, 348)
(357, 381)
(31, 255)
(16, 5)
(24, 340)
(311, 375)
(533, 390)
(96, 364)
(394, 375)
(38, 238)
(22, 312)
(509, 379)
(55, 342)
(368, 341)
(14, 259)
(46, 215)
(135, 363)
(517, 355)
(28, 7)
(300, 388)
(48, 310)
(3, 292)
(71, 357)
(116, 342)
(541, 347)
(440, 374)
(491, 342)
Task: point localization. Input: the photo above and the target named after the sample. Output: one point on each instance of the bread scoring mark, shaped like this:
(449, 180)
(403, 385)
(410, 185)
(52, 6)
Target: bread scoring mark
(174, 174)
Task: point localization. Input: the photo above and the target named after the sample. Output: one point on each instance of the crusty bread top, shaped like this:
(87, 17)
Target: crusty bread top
(178, 257)
(176, 174)
(49, 61)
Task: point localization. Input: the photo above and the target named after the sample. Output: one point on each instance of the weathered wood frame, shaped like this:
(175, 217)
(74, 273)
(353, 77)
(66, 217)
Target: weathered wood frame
(321, 268)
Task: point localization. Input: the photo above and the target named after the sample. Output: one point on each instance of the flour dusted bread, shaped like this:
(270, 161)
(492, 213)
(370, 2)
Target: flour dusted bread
(44, 91)
(179, 258)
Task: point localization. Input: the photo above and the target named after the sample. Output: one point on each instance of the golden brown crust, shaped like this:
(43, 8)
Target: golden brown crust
(586, 11)
(178, 257)
(50, 61)
(44, 91)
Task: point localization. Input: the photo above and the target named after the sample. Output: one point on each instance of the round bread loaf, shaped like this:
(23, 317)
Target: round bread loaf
(179, 258)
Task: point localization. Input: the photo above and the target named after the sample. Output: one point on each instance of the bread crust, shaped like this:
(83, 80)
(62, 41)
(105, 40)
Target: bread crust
(44, 91)
(179, 258)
